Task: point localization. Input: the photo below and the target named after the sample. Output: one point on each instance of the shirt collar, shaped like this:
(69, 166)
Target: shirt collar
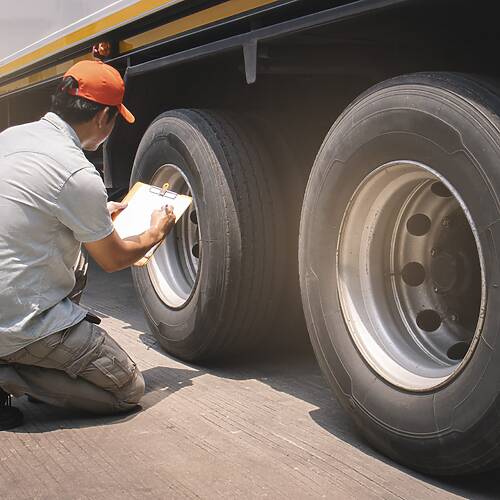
(64, 127)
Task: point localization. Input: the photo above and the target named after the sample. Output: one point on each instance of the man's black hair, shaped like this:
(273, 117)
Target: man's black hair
(73, 109)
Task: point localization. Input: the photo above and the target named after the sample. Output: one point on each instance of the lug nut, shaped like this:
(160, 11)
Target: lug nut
(434, 252)
(445, 222)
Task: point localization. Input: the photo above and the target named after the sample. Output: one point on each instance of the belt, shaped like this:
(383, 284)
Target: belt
(92, 318)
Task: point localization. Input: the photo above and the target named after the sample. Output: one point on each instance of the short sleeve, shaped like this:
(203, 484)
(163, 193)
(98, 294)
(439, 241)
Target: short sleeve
(81, 206)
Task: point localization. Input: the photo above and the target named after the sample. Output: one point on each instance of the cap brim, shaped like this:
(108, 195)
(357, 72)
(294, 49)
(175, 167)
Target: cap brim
(127, 115)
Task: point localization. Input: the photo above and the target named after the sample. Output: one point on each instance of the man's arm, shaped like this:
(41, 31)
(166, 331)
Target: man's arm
(113, 254)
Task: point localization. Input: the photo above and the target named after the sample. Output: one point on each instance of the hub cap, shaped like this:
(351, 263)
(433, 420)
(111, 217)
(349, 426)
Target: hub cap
(173, 269)
(410, 272)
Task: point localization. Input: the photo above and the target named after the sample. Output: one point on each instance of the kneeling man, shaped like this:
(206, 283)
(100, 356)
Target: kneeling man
(52, 200)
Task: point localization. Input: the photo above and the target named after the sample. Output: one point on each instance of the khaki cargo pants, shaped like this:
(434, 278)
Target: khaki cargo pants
(81, 368)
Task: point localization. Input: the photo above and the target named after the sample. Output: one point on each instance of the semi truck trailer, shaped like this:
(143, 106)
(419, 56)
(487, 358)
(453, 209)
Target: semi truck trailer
(344, 163)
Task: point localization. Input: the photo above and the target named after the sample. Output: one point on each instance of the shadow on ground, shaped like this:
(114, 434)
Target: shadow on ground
(291, 372)
(113, 295)
(298, 375)
(161, 382)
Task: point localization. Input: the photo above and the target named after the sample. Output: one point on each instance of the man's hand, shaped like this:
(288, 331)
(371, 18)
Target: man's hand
(112, 253)
(162, 222)
(115, 207)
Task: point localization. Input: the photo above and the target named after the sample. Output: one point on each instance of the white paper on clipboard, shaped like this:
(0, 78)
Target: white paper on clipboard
(142, 200)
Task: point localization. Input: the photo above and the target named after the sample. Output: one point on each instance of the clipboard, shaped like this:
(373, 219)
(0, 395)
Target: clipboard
(142, 199)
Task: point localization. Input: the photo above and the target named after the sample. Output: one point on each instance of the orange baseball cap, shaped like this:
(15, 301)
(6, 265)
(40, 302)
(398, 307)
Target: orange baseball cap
(100, 83)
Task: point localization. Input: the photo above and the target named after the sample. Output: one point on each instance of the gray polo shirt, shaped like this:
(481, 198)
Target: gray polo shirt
(51, 200)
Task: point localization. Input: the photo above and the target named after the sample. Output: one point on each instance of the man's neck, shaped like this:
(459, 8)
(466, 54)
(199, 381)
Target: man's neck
(84, 132)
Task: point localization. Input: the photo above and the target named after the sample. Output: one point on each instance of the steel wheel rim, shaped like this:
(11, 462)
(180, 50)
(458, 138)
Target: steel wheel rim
(408, 258)
(174, 267)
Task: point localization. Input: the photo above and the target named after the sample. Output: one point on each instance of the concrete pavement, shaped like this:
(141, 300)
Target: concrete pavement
(256, 428)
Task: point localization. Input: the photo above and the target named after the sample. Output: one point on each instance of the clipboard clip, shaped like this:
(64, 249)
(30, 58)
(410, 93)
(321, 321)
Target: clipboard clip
(163, 191)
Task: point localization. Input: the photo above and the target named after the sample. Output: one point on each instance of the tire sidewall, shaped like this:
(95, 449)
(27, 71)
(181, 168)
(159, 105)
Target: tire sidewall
(401, 121)
(173, 139)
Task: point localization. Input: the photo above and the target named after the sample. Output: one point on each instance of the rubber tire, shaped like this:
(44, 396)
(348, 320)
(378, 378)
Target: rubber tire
(239, 296)
(451, 123)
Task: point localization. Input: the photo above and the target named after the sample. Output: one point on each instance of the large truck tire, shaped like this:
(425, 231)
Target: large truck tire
(400, 271)
(218, 286)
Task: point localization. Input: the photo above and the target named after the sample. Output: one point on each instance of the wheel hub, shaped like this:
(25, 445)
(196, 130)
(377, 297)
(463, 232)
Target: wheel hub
(444, 272)
(173, 269)
(410, 276)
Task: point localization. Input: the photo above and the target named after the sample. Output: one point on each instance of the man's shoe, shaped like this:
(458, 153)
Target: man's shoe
(10, 417)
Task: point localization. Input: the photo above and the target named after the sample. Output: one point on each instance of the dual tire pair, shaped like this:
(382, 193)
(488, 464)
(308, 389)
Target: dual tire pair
(390, 156)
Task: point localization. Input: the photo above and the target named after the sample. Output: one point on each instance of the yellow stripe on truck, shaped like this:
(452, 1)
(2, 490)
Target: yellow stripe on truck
(212, 14)
(113, 20)
(203, 18)
(47, 74)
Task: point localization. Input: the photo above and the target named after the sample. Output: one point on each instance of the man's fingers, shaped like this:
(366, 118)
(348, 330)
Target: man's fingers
(114, 207)
(169, 211)
(119, 207)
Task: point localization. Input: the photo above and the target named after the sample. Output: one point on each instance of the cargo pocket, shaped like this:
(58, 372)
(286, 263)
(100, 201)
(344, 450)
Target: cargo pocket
(54, 340)
(119, 371)
(41, 349)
